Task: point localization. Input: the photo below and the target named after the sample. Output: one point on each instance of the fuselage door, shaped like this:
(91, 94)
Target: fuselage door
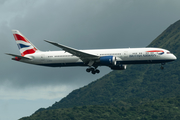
(126, 55)
(42, 58)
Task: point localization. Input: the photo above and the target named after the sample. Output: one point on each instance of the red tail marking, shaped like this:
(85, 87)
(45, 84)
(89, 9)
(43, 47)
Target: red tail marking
(30, 51)
(19, 37)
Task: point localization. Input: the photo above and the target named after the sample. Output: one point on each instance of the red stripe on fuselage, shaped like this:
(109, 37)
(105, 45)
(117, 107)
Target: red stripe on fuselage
(19, 37)
(155, 51)
(30, 51)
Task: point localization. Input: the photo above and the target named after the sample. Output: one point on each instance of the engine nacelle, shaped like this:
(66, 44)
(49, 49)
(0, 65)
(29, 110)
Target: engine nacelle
(108, 60)
(121, 67)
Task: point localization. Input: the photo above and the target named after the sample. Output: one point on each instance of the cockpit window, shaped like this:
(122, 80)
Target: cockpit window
(168, 52)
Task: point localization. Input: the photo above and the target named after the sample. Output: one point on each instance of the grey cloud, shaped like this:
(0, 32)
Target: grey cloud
(2, 2)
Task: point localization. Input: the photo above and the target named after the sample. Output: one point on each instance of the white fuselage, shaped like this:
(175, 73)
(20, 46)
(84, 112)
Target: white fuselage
(123, 56)
(116, 59)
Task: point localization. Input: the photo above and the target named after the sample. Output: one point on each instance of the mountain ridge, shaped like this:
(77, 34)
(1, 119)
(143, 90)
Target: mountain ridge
(166, 109)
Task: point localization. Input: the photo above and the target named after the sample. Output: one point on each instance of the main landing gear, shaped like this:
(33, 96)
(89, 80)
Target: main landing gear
(162, 66)
(92, 70)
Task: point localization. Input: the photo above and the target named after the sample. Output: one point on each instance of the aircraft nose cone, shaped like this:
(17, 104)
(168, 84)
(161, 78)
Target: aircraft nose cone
(174, 57)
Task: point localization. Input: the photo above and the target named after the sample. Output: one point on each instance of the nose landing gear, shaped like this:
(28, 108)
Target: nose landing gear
(162, 66)
(92, 70)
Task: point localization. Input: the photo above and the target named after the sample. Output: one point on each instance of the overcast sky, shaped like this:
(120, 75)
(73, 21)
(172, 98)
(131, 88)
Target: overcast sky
(81, 24)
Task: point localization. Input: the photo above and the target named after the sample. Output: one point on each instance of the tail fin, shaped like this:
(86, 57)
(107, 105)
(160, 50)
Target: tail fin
(24, 45)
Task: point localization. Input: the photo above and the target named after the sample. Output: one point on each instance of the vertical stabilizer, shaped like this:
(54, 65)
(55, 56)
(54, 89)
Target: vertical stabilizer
(24, 45)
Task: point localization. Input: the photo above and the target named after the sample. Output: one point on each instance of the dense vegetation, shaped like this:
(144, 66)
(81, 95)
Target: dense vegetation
(166, 109)
(140, 92)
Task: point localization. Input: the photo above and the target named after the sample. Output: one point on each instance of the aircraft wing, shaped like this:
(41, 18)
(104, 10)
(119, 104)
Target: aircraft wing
(85, 57)
(18, 56)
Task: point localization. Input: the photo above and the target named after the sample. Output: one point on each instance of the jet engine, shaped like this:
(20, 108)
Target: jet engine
(108, 60)
(117, 67)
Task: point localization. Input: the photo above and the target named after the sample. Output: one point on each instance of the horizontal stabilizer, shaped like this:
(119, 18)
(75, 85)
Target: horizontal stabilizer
(18, 56)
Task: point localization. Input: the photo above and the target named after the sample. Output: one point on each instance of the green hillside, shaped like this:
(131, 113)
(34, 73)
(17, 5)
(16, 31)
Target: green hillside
(128, 92)
(162, 109)
(138, 81)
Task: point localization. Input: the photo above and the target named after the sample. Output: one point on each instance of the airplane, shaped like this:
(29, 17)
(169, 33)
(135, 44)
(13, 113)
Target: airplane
(116, 59)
